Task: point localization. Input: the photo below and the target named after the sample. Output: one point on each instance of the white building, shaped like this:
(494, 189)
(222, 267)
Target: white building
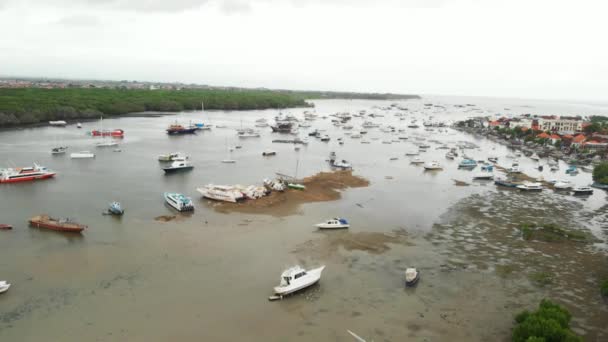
(561, 126)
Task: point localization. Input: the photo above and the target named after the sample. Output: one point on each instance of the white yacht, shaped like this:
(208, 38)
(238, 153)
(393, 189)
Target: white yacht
(297, 278)
(179, 201)
(224, 193)
(530, 186)
(4, 286)
(82, 155)
(434, 165)
(335, 223)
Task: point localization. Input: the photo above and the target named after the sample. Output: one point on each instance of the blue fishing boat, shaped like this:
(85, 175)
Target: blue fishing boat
(572, 170)
(116, 209)
(467, 163)
(506, 183)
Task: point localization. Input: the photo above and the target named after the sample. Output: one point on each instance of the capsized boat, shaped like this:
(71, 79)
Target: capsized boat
(178, 201)
(224, 193)
(61, 225)
(297, 278)
(4, 286)
(335, 223)
(178, 165)
(25, 174)
(82, 155)
(116, 209)
(412, 276)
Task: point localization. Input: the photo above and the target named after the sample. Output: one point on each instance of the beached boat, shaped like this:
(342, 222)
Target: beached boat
(296, 186)
(25, 174)
(60, 225)
(115, 209)
(178, 165)
(412, 276)
(572, 170)
(335, 223)
(4, 286)
(530, 186)
(224, 193)
(59, 150)
(534, 156)
(58, 123)
(467, 163)
(176, 129)
(506, 183)
(434, 165)
(178, 201)
(582, 190)
(4, 226)
(82, 155)
(297, 278)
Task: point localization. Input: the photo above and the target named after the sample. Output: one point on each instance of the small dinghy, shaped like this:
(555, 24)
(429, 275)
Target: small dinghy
(269, 153)
(4, 286)
(411, 276)
(115, 209)
(335, 223)
(295, 279)
(5, 226)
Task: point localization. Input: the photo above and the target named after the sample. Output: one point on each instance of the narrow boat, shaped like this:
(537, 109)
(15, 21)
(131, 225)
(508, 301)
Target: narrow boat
(221, 193)
(506, 183)
(412, 276)
(25, 174)
(530, 186)
(269, 153)
(60, 225)
(116, 209)
(4, 226)
(59, 150)
(297, 278)
(582, 190)
(431, 166)
(296, 186)
(484, 176)
(178, 165)
(176, 129)
(82, 155)
(178, 201)
(4, 286)
(335, 223)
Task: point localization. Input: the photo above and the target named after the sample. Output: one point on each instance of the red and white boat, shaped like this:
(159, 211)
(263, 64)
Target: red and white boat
(117, 133)
(25, 174)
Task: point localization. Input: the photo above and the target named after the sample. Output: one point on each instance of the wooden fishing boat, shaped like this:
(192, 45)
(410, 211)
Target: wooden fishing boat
(61, 225)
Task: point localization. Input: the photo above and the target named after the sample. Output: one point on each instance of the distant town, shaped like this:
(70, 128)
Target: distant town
(57, 83)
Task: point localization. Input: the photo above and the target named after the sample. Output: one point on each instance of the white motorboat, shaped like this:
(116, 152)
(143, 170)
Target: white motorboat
(534, 156)
(179, 201)
(172, 156)
(582, 190)
(412, 276)
(325, 138)
(297, 278)
(58, 123)
(79, 125)
(224, 193)
(530, 186)
(178, 165)
(82, 155)
(249, 133)
(59, 150)
(434, 165)
(417, 160)
(562, 185)
(4, 286)
(514, 169)
(228, 161)
(335, 223)
(108, 143)
(484, 176)
(450, 155)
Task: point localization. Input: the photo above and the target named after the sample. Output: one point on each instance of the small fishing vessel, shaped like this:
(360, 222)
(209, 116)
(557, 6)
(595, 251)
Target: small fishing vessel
(416, 161)
(467, 163)
(172, 156)
(450, 155)
(82, 155)
(178, 165)
(4, 226)
(412, 276)
(335, 223)
(178, 201)
(58, 123)
(484, 175)
(115, 209)
(506, 183)
(431, 166)
(224, 193)
(412, 153)
(269, 153)
(297, 278)
(60, 225)
(325, 138)
(25, 174)
(176, 129)
(116, 133)
(4, 286)
(530, 186)
(582, 190)
(79, 125)
(59, 150)
(282, 127)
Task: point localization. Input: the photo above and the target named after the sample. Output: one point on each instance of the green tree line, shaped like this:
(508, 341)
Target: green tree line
(33, 105)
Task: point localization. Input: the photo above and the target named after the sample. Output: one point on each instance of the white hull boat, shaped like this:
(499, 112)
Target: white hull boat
(4, 286)
(297, 278)
(484, 176)
(412, 276)
(433, 166)
(106, 144)
(172, 156)
(179, 201)
(582, 190)
(221, 193)
(82, 155)
(335, 223)
(562, 185)
(529, 186)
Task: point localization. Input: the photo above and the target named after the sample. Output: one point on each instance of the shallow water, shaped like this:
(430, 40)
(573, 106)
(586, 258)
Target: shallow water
(206, 276)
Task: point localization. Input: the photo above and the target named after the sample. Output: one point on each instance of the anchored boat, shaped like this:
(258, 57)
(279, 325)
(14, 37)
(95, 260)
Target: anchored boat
(178, 165)
(60, 225)
(297, 278)
(412, 276)
(25, 174)
(335, 223)
(178, 201)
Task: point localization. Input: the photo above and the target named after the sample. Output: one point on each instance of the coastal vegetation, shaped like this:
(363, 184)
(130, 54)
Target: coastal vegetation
(600, 173)
(549, 232)
(604, 288)
(550, 322)
(35, 105)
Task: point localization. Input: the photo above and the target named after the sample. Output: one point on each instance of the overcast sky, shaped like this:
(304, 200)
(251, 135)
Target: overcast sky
(533, 49)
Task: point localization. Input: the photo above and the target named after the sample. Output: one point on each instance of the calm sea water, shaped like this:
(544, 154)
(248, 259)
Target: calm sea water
(207, 275)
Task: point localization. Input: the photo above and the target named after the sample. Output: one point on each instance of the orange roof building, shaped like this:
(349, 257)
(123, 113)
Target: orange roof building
(543, 135)
(578, 139)
(555, 137)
